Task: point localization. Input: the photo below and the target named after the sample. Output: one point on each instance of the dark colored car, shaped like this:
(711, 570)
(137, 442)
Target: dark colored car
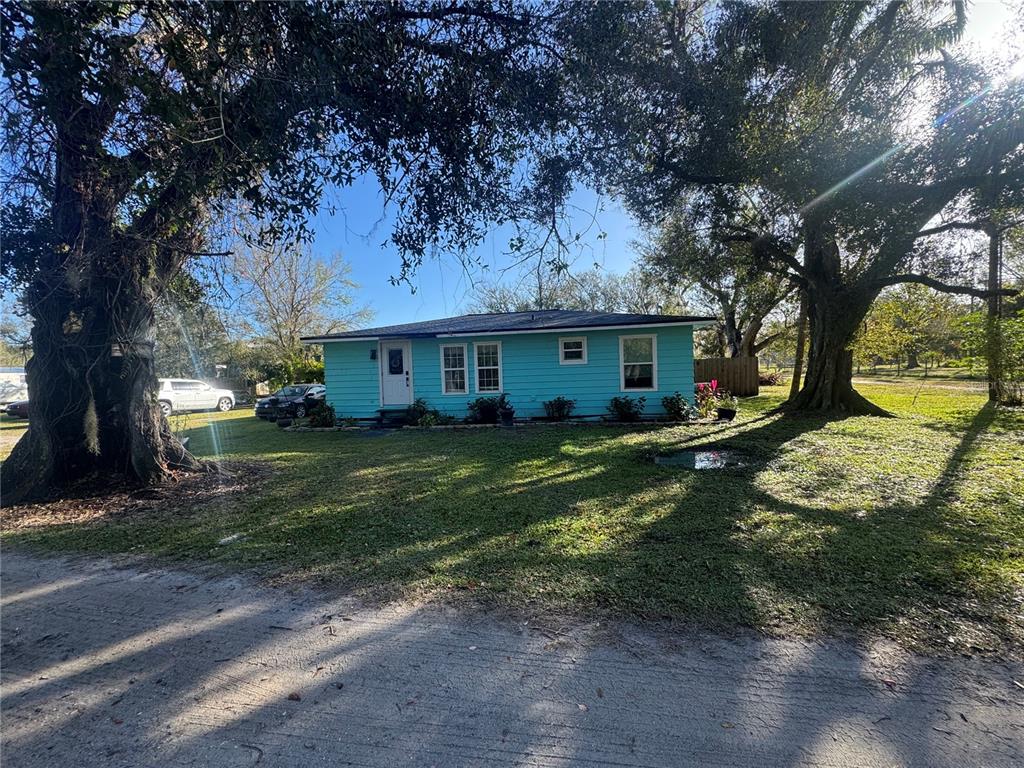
(294, 400)
(18, 409)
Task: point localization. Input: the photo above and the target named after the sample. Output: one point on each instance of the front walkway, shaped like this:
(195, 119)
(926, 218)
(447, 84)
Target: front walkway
(128, 667)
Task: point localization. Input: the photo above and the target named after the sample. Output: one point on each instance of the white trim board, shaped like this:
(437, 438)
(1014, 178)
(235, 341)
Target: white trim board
(325, 339)
(580, 329)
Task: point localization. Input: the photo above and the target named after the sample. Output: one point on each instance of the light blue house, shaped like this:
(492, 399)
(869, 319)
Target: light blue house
(589, 357)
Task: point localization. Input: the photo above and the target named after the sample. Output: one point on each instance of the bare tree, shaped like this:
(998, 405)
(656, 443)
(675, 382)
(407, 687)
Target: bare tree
(288, 292)
(637, 290)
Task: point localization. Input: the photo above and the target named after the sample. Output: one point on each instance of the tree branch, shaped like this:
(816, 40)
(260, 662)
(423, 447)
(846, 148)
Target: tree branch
(976, 225)
(437, 14)
(942, 287)
(758, 346)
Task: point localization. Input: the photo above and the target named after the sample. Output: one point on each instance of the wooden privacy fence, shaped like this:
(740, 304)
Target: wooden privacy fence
(736, 374)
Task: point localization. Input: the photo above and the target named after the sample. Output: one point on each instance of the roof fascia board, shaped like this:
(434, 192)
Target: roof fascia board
(577, 329)
(464, 334)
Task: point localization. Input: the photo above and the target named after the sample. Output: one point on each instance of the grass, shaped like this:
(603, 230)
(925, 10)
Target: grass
(910, 527)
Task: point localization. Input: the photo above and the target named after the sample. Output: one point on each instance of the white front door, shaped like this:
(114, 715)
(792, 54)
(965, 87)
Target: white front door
(395, 372)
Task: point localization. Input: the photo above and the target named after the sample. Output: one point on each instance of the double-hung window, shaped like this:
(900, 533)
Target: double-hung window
(572, 350)
(488, 366)
(638, 364)
(453, 369)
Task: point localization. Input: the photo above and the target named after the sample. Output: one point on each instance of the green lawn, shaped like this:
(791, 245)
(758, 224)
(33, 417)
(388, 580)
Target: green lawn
(910, 527)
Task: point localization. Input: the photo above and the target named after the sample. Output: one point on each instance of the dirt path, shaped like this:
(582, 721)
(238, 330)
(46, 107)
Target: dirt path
(119, 667)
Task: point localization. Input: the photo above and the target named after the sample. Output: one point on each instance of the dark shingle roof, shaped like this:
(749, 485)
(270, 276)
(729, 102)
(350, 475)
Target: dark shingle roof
(510, 322)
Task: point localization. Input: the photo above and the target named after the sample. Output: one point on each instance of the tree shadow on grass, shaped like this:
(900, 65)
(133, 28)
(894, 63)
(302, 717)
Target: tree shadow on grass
(607, 529)
(732, 550)
(583, 519)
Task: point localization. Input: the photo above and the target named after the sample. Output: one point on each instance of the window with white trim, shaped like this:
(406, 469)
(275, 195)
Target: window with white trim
(488, 366)
(638, 362)
(453, 369)
(572, 350)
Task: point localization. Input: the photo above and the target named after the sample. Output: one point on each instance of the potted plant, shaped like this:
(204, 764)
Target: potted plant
(715, 401)
(505, 411)
(726, 410)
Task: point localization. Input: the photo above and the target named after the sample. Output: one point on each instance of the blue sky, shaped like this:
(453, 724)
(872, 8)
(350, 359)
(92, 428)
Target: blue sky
(442, 286)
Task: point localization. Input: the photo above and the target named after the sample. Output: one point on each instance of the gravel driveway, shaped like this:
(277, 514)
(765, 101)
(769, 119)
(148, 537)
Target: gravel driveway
(107, 666)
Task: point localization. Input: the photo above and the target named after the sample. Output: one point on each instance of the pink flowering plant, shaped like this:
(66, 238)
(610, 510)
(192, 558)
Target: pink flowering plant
(711, 397)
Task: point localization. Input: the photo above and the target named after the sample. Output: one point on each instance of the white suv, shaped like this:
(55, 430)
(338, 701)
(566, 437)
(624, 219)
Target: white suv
(192, 395)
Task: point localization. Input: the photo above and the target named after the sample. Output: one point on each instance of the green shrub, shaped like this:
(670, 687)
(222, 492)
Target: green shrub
(625, 408)
(485, 410)
(322, 415)
(419, 414)
(559, 409)
(428, 419)
(416, 412)
(678, 408)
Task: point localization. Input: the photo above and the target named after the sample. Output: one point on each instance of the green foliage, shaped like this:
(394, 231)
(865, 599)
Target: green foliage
(724, 277)
(435, 418)
(306, 111)
(793, 128)
(420, 414)
(487, 410)
(908, 323)
(678, 408)
(28, 239)
(998, 345)
(626, 408)
(190, 337)
(322, 415)
(299, 369)
(559, 409)
(416, 411)
(158, 124)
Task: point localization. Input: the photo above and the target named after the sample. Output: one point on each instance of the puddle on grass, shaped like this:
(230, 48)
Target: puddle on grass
(703, 459)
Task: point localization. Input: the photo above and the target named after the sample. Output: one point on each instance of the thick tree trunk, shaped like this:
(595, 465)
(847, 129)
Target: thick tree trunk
(93, 411)
(91, 379)
(835, 311)
(834, 318)
(733, 337)
(912, 361)
(748, 339)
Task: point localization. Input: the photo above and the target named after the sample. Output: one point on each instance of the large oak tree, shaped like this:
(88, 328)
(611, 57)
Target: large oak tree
(131, 126)
(853, 116)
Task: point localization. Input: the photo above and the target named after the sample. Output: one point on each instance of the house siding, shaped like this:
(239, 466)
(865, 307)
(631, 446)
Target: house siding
(352, 379)
(531, 372)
